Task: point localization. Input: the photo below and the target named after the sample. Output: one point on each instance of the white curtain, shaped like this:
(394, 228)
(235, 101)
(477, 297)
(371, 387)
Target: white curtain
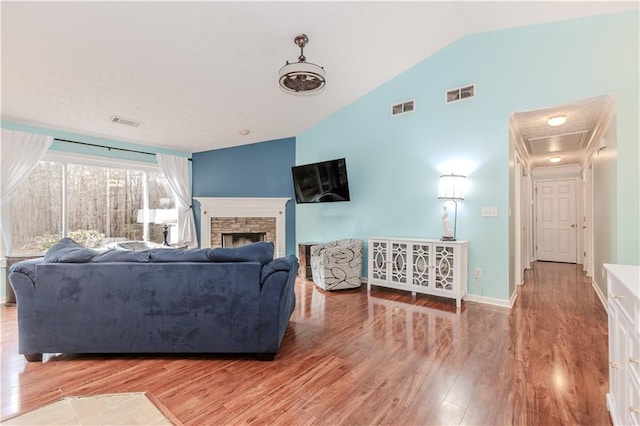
(19, 154)
(176, 170)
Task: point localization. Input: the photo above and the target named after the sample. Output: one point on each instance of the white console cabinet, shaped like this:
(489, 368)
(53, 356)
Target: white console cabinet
(623, 303)
(418, 265)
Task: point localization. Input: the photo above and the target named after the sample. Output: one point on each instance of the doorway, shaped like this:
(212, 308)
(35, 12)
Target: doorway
(553, 147)
(556, 224)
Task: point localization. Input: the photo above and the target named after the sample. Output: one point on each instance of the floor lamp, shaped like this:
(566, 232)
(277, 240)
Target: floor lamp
(451, 188)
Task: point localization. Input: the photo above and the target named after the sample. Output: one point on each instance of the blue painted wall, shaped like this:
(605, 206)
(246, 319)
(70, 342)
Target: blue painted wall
(394, 163)
(256, 170)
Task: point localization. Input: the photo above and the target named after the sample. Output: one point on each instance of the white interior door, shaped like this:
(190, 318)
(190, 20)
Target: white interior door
(556, 221)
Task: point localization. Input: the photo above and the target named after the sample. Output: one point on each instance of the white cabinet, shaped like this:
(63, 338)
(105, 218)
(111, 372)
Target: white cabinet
(420, 266)
(623, 303)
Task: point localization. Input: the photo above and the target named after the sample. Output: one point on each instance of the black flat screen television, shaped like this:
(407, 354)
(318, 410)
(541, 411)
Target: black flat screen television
(322, 182)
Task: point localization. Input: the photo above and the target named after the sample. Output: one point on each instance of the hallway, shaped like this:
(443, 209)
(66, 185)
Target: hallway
(560, 347)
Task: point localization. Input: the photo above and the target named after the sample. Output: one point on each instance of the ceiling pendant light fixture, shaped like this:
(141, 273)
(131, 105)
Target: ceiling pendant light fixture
(301, 77)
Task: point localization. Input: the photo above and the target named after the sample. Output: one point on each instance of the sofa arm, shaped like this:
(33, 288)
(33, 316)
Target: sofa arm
(336, 246)
(277, 302)
(316, 249)
(22, 277)
(340, 254)
(279, 264)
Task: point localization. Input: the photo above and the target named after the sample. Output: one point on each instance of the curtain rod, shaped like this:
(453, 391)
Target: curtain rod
(107, 147)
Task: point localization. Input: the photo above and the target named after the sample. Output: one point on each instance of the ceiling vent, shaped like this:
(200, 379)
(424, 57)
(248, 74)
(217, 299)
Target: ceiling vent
(402, 108)
(125, 121)
(460, 94)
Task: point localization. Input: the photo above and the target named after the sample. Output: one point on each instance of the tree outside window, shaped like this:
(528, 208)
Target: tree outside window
(103, 206)
(36, 210)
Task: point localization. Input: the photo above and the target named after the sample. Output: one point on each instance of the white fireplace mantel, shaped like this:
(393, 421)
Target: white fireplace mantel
(243, 207)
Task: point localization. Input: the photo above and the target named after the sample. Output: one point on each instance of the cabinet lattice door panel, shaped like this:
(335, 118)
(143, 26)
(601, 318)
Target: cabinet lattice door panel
(419, 266)
(399, 265)
(378, 256)
(422, 254)
(444, 268)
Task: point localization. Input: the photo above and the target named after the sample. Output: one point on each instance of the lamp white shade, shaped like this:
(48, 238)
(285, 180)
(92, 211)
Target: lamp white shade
(452, 187)
(166, 216)
(151, 216)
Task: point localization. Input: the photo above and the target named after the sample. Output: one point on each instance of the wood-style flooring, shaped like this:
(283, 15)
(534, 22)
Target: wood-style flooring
(349, 358)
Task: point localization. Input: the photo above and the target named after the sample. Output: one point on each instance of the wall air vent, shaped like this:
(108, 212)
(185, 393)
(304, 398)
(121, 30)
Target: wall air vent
(460, 94)
(125, 121)
(402, 108)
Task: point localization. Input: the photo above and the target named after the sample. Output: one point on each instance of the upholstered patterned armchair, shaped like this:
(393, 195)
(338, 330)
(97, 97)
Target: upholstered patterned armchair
(337, 265)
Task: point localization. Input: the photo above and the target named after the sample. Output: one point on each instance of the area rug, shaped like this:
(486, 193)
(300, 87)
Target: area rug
(138, 408)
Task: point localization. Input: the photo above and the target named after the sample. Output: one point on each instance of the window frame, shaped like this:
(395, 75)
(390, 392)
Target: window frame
(68, 158)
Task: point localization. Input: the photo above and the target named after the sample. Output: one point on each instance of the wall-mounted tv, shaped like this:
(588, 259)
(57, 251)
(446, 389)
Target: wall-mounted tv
(321, 182)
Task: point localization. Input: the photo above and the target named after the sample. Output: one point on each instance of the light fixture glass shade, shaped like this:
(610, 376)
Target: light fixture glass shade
(301, 78)
(558, 120)
(452, 187)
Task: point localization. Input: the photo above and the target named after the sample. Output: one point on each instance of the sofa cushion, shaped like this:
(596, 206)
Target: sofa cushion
(68, 251)
(134, 245)
(189, 255)
(122, 256)
(256, 252)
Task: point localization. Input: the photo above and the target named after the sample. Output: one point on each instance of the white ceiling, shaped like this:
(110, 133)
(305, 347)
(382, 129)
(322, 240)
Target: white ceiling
(568, 141)
(196, 73)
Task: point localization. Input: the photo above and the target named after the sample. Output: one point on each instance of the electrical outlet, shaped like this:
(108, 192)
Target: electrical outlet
(478, 273)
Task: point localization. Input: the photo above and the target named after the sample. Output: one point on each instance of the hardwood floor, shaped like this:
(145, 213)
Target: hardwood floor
(353, 359)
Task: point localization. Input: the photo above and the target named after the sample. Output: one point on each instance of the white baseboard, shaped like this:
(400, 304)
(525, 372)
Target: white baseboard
(477, 298)
(601, 296)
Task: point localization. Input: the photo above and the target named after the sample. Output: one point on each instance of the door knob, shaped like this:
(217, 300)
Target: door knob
(573, 225)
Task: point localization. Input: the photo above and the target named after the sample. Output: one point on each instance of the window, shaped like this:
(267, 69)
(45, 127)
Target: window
(104, 204)
(36, 210)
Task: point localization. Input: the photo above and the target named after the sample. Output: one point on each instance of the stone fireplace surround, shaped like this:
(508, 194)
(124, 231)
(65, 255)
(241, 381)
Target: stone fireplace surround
(236, 225)
(242, 215)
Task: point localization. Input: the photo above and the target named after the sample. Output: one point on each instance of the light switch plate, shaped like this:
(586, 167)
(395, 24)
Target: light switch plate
(489, 212)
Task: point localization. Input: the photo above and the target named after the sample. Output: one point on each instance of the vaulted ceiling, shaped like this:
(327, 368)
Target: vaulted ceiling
(198, 73)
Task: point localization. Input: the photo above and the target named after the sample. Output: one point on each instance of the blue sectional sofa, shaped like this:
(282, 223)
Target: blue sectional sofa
(223, 300)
